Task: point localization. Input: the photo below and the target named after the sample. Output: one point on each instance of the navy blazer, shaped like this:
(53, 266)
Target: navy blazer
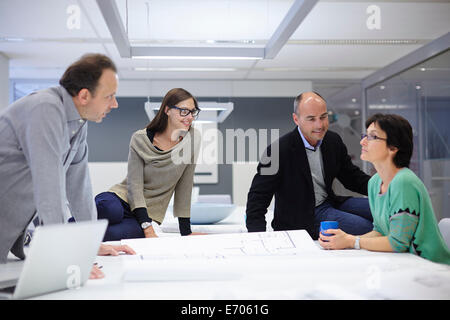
(292, 183)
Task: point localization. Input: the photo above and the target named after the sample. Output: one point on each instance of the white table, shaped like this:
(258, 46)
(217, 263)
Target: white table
(336, 274)
(346, 274)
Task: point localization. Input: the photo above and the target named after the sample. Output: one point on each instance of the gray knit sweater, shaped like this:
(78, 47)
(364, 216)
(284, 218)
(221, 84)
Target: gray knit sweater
(154, 175)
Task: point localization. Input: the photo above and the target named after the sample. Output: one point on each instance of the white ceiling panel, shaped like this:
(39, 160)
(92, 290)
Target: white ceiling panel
(46, 54)
(398, 20)
(309, 75)
(337, 56)
(42, 19)
(40, 41)
(202, 19)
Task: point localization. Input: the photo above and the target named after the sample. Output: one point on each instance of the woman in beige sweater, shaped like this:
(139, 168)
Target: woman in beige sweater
(161, 162)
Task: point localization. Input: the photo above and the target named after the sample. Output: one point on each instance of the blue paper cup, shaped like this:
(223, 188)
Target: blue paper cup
(325, 225)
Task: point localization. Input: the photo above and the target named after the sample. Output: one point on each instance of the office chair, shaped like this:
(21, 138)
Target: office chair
(444, 227)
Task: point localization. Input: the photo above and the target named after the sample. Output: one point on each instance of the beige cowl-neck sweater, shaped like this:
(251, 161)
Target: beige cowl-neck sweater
(153, 175)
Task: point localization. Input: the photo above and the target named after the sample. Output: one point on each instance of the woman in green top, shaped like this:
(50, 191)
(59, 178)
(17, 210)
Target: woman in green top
(403, 216)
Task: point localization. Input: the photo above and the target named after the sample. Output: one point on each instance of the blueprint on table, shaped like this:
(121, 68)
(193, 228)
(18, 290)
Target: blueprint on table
(224, 245)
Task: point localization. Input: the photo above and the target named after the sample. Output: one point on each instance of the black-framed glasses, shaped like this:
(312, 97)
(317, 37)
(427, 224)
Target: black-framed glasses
(184, 112)
(371, 137)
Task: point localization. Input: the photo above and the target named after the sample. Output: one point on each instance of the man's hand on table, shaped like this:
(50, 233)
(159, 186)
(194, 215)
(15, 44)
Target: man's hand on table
(108, 250)
(113, 250)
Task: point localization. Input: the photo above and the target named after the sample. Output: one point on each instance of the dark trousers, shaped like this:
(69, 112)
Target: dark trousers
(353, 215)
(122, 224)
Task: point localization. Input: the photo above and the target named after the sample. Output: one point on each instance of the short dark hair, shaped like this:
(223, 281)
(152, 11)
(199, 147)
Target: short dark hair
(85, 73)
(399, 134)
(299, 98)
(174, 96)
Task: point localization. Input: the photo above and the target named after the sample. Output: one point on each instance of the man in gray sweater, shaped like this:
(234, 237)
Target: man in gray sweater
(44, 153)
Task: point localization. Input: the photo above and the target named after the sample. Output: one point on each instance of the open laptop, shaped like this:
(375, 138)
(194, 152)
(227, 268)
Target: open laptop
(60, 257)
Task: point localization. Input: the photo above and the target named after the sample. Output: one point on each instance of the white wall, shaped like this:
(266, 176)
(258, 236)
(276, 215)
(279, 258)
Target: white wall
(106, 174)
(243, 173)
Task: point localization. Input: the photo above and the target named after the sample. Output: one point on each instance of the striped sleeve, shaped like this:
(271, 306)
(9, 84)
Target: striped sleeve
(402, 227)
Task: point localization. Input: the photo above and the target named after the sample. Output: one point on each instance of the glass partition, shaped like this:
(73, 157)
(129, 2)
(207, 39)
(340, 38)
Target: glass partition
(22, 88)
(421, 94)
(345, 118)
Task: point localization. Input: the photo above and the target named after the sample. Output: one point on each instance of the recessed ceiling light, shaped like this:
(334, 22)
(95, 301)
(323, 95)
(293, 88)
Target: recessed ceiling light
(203, 108)
(181, 69)
(11, 39)
(357, 41)
(196, 58)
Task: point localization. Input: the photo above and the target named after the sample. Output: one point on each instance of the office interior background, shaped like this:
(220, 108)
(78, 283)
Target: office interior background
(245, 61)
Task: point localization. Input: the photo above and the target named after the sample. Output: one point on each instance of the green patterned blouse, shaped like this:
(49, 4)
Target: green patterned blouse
(405, 215)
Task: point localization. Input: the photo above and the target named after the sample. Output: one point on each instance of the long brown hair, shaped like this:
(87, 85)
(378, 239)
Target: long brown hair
(174, 96)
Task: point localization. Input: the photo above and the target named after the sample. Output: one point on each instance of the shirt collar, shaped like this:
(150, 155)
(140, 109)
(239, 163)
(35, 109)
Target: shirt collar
(306, 143)
(69, 106)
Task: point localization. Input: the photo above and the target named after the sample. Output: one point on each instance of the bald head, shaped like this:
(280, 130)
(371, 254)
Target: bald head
(304, 96)
(311, 116)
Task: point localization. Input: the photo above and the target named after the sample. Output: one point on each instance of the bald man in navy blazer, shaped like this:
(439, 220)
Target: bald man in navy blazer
(308, 159)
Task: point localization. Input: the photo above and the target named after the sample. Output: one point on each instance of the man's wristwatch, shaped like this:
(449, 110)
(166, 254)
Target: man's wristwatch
(356, 246)
(145, 225)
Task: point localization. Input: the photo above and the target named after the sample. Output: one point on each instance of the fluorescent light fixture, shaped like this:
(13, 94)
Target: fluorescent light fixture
(195, 58)
(214, 109)
(316, 69)
(185, 69)
(295, 15)
(230, 42)
(389, 106)
(222, 110)
(203, 121)
(11, 39)
(198, 53)
(341, 42)
(203, 108)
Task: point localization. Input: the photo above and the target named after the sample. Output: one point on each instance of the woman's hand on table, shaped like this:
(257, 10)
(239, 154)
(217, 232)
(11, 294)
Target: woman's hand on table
(149, 232)
(338, 240)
